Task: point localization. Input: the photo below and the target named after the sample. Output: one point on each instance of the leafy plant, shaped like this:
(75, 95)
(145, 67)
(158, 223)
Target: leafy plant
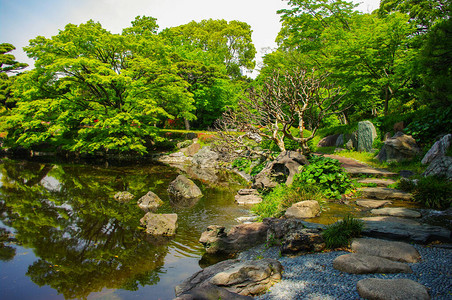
(340, 233)
(328, 174)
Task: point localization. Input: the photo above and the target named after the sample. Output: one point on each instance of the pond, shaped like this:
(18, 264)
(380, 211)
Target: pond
(63, 235)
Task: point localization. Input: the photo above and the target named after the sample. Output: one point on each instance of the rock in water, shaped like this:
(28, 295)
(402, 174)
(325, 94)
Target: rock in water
(206, 158)
(366, 135)
(303, 209)
(160, 224)
(400, 147)
(123, 197)
(248, 197)
(182, 189)
(394, 289)
(149, 202)
(438, 149)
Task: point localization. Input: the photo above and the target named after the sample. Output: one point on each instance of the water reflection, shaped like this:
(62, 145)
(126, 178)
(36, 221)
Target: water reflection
(84, 240)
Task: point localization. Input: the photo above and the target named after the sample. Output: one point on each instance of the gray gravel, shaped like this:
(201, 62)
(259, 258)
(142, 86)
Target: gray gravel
(312, 276)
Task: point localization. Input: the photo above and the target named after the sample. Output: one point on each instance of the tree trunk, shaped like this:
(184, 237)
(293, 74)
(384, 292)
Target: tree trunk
(187, 124)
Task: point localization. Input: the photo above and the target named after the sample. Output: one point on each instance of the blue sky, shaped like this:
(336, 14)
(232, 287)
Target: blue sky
(22, 20)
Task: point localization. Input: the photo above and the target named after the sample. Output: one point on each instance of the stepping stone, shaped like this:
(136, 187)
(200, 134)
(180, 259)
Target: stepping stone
(396, 212)
(367, 203)
(356, 263)
(396, 251)
(378, 181)
(391, 219)
(384, 193)
(421, 234)
(394, 289)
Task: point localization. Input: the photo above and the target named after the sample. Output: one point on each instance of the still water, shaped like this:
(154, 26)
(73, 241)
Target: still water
(63, 236)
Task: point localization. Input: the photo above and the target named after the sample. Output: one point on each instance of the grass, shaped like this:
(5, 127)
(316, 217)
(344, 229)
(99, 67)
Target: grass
(339, 234)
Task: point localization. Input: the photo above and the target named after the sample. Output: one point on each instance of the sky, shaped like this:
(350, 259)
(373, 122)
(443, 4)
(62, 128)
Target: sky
(22, 20)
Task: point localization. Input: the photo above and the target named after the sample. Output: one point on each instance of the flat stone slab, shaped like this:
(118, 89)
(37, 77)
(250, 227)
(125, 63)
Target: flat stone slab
(421, 234)
(357, 263)
(383, 193)
(396, 212)
(380, 182)
(395, 251)
(394, 289)
(391, 219)
(248, 199)
(367, 203)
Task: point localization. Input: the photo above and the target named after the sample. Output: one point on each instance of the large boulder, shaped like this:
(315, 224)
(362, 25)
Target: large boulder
(393, 250)
(438, 149)
(394, 289)
(356, 263)
(440, 166)
(247, 278)
(328, 141)
(149, 202)
(160, 224)
(303, 209)
(206, 158)
(183, 191)
(193, 149)
(366, 135)
(303, 241)
(400, 147)
(123, 197)
(240, 237)
(281, 170)
(208, 291)
(401, 212)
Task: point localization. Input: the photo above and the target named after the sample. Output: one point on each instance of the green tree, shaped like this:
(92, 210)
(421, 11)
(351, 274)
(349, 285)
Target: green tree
(96, 91)
(8, 65)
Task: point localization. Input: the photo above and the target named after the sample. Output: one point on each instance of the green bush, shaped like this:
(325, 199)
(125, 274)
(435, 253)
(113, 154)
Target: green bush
(340, 233)
(275, 203)
(246, 165)
(429, 124)
(433, 192)
(326, 173)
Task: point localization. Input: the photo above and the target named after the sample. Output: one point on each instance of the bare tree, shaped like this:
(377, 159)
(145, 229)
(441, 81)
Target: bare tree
(287, 102)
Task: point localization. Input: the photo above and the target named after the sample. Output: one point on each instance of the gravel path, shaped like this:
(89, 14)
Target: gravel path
(312, 276)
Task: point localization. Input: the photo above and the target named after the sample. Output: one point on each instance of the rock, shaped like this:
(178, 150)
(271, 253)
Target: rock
(246, 220)
(340, 140)
(396, 251)
(245, 192)
(406, 173)
(388, 135)
(303, 209)
(248, 278)
(396, 212)
(394, 289)
(206, 158)
(391, 219)
(281, 170)
(123, 197)
(160, 224)
(174, 158)
(191, 135)
(384, 193)
(438, 149)
(183, 190)
(303, 240)
(149, 202)
(405, 231)
(248, 199)
(378, 181)
(400, 147)
(399, 126)
(208, 291)
(372, 203)
(440, 166)
(328, 141)
(192, 149)
(366, 135)
(349, 145)
(240, 237)
(356, 263)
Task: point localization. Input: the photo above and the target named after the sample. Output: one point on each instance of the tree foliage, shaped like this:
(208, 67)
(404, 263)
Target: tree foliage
(8, 66)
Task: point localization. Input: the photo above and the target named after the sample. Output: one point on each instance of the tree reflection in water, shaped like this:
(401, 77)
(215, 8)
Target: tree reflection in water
(85, 240)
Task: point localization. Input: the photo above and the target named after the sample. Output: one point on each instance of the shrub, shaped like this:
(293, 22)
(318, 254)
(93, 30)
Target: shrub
(433, 192)
(328, 174)
(340, 233)
(275, 203)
